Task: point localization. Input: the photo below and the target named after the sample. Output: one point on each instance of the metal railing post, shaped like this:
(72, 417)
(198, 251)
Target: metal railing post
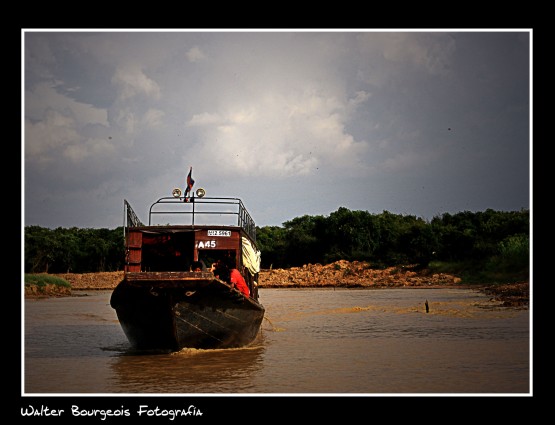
(193, 200)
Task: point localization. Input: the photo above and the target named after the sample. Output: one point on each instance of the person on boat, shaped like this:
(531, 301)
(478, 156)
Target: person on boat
(197, 266)
(225, 270)
(237, 280)
(221, 271)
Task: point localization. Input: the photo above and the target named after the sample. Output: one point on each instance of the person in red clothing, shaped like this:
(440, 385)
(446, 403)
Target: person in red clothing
(226, 271)
(239, 282)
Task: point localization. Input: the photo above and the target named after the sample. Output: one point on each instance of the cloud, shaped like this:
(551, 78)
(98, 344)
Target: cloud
(387, 56)
(203, 119)
(124, 119)
(45, 139)
(43, 96)
(90, 147)
(195, 54)
(57, 126)
(153, 118)
(282, 134)
(360, 98)
(123, 114)
(430, 51)
(59, 136)
(131, 81)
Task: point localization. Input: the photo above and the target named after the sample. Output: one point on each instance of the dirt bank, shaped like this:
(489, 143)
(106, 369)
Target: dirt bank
(91, 281)
(342, 273)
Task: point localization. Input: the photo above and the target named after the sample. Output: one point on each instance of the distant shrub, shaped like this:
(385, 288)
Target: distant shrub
(513, 255)
(43, 279)
(515, 250)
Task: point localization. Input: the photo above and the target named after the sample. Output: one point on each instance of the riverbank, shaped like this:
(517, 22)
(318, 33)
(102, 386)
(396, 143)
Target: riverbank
(340, 274)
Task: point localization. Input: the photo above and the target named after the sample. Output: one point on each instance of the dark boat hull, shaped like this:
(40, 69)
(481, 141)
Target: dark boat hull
(169, 312)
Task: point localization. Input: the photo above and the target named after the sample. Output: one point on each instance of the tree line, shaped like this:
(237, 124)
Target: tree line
(73, 250)
(487, 238)
(493, 241)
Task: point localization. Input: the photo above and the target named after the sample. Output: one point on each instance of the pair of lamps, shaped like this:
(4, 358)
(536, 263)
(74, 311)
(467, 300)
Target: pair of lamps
(177, 192)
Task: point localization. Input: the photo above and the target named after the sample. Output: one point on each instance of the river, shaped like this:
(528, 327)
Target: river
(312, 342)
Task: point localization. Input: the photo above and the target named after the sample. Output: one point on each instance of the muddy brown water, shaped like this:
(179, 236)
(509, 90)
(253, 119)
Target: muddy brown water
(312, 342)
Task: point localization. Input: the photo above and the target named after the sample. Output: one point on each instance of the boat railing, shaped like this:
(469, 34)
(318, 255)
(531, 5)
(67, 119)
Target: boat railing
(205, 210)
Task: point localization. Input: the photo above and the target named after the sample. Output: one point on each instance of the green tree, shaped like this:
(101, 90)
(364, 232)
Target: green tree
(302, 246)
(495, 240)
(351, 235)
(419, 242)
(271, 241)
(38, 249)
(65, 249)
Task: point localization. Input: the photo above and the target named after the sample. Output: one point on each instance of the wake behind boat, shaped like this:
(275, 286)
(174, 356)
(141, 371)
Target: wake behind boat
(169, 299)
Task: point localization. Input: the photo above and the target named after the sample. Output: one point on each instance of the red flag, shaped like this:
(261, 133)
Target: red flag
(190, 182)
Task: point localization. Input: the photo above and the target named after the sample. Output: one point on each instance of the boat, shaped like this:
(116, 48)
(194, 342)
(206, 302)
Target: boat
(169, 299)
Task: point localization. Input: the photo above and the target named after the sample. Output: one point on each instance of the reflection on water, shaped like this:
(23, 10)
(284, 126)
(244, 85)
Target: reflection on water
(312, 341)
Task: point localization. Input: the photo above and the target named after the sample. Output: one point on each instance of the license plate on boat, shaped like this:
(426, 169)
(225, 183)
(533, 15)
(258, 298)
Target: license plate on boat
(219, 233)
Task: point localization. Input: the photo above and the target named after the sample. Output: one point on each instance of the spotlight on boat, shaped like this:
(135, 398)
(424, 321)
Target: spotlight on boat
(200, 192)
(176, 192)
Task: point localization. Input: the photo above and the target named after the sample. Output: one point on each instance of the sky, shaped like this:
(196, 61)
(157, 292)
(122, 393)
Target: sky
(293, 122)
